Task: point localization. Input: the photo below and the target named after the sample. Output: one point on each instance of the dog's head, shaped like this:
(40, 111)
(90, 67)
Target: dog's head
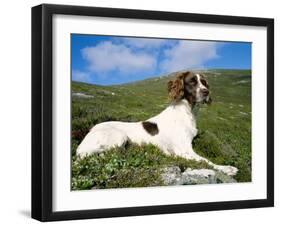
(190, 86)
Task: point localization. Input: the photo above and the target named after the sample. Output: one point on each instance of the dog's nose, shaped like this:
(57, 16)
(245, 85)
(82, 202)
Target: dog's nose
(205, 92)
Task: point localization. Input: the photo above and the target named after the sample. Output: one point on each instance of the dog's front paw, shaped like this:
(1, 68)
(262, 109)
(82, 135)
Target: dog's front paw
(228, 170)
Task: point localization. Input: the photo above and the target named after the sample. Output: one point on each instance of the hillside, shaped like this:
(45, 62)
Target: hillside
(224, 127)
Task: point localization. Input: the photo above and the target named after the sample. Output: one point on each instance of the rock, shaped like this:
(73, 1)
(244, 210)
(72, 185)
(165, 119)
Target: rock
(82, 95)
(174, 176)
(223, 178)
(198, 176)
(171, 175)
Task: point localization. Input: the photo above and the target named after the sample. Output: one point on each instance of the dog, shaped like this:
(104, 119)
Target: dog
(172, 130)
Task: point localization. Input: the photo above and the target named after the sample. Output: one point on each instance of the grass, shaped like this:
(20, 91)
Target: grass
(224, 130)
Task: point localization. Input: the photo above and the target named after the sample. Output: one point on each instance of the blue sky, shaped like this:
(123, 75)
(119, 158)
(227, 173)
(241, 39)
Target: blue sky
(107, 60)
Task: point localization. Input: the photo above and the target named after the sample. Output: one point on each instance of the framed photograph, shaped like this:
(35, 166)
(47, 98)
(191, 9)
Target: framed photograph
(145, 112)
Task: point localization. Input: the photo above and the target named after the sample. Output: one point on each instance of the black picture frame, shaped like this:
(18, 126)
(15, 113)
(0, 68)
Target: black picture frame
(42, 111)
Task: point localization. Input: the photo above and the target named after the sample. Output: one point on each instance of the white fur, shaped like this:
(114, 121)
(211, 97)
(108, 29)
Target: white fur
(176, 125)
(199, 88)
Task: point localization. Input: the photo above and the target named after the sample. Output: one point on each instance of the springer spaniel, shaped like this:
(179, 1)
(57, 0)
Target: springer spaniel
(172, 130)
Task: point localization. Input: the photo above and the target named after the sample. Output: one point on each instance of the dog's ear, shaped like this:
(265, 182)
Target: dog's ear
(176, 88)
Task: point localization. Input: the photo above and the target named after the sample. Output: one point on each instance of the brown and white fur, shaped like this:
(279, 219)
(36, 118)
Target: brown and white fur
(172, 130)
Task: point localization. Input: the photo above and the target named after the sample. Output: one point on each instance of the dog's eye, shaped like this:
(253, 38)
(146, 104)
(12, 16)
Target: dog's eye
(204, 82)
(193, 81)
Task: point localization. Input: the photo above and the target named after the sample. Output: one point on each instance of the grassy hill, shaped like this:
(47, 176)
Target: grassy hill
(224, 129)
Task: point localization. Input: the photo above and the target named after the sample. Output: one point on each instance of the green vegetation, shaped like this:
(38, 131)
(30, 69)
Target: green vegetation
(132, 166)
(224, 130)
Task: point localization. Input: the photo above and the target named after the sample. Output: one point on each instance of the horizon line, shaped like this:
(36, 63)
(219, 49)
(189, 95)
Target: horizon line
(168, 74)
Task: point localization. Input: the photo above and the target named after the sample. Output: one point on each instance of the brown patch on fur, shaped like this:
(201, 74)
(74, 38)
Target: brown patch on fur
(150, 127)
(203, 80)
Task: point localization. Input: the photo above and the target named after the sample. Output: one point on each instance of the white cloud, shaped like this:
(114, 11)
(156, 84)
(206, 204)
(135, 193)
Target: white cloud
(107, 56)
(81, 76)
(145, 43)
(137, 56)
(188, 54)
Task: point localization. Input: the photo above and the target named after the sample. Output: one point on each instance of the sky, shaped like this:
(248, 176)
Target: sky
(108, 60)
